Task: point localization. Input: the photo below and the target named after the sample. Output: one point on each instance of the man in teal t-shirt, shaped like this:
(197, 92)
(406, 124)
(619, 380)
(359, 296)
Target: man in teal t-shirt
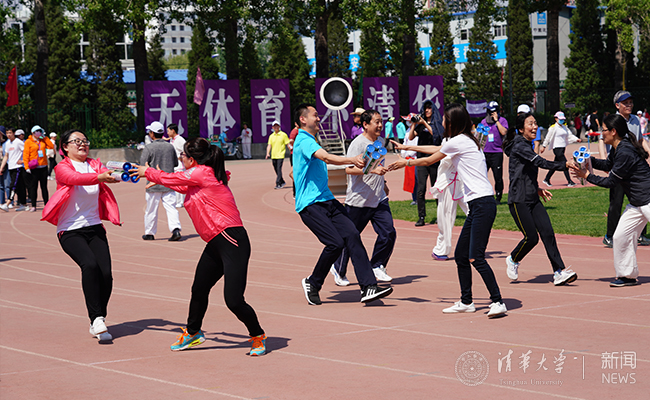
(323, 214)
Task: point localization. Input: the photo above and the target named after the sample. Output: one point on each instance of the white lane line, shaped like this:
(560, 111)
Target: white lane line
(411, 373)
(148, 378)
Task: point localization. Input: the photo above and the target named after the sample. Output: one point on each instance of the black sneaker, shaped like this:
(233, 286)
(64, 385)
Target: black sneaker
(147, 237)
(622, 281)
(374, 292)
(310, 293)
(420, 222)
(176, 235)
(643, 241)
(607, 241)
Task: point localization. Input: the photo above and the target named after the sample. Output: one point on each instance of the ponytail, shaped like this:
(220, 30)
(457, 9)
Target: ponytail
(209, 155)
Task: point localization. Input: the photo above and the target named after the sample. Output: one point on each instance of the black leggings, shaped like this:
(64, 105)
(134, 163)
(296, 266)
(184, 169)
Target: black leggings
(559, 156)
(531, 219)
(88, 247)
(37, 175)
(226, 255)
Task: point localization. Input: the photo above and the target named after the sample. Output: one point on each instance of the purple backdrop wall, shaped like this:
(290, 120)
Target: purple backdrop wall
(382, 95)
(219, 111)
(269, 101)
(166, 102)
(423, 88)
(325, 114)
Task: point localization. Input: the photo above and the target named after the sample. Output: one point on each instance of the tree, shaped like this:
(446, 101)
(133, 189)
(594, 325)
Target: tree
(583, 72)
(199, 57)
(42, 61)
(289, 61)
(338, 48)
(481, 74)
(442, 60)
(65, 88)
(250, 69)
(156, 59)
(373, 57)
(104, 70)
(520, 55)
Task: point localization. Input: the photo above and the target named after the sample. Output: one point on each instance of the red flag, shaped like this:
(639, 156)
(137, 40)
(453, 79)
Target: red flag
(12, 88)
(199, 88)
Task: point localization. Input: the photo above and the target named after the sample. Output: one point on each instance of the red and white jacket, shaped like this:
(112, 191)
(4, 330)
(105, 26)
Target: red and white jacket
(208, 202)
(66, 178)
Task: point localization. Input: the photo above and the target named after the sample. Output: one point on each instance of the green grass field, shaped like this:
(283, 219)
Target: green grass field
(577, 211)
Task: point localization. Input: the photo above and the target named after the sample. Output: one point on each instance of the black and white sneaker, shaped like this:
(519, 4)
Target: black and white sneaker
(374, 292)
(310, 293)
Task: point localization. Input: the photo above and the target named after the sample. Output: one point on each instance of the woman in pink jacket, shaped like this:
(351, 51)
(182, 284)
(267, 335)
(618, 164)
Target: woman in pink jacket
(81, 201)
(211, 206)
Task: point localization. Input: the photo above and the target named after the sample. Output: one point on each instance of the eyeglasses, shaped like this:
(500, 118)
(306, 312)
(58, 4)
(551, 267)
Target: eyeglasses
(605, 130)
(79, 142)
(182, 155)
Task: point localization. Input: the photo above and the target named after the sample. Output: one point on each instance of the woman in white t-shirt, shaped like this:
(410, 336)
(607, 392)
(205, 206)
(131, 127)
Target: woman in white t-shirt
(464, 151)
(81, 201)
(558, 138)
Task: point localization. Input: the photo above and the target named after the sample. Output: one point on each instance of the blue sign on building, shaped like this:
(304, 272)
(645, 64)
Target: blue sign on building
(541, 18)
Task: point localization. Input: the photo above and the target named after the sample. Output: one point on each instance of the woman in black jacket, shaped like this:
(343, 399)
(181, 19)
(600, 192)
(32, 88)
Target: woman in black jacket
(627, 165)
(523, 199)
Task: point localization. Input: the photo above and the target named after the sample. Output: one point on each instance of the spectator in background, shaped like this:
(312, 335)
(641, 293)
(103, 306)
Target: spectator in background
(492, 149)
(643, 121)
(51, 156)
(246, 140)
(35, 163)
(276, 149)
(178, 142)
(13, 159)
(160, 155)
(401, 129)
(388, 130)
(577, 123)
(357, 129)
(225, 145)
(558, 137)
(20, 134)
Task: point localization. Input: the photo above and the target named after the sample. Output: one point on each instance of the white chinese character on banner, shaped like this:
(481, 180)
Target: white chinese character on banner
(218, 117)
(382, 101)
(525, 360)
(166, 112)
(271, 109)
(354, 63)
(541, 363)
(426, 92)
(610, 360)
(559, 362)
(334, 118)
(507, 359)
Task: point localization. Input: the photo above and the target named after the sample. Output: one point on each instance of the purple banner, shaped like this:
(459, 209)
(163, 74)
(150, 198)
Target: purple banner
(329, 118)
(269, 101)
(219, 111)
(382, 95)
(423, 88)
(166, 102)
(476, 108)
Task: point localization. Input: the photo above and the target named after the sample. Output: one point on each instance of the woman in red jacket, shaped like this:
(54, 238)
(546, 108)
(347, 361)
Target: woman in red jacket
(211, 206)
(81, 201)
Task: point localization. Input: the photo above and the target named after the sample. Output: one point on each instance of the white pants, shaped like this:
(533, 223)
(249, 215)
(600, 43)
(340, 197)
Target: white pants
(246, 149)
(445, 219)
(625, 238)
(180, 197)
(151, 212)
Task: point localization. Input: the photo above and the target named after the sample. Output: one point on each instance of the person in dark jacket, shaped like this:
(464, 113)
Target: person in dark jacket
(523, 199)
(428, 128)
(628, 167)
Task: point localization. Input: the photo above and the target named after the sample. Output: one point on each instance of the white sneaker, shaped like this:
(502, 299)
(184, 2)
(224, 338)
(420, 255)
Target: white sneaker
(563, 277)
(4, 207)
(98, 329)
(11, 206)
(338, 279)
(459, 307)
(512, 268)
(547, 183)
(381, 275)
(497, 310)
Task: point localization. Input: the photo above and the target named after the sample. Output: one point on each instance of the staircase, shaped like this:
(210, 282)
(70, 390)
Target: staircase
(330, 140)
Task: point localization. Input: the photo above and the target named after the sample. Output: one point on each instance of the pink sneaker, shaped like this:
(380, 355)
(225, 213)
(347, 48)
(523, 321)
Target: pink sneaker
(439, 258)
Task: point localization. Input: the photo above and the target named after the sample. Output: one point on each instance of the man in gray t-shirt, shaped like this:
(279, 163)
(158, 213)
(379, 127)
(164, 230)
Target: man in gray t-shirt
(366, 201)
(160, 154)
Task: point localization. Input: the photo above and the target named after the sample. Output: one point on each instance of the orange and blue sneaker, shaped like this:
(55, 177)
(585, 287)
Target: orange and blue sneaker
(259, 345)
(185, 340)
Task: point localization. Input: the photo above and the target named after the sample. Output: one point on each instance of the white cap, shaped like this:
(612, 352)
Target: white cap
(276, 122)
(639, 112)
(52, 134)
(523, 108)
(156, 127)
